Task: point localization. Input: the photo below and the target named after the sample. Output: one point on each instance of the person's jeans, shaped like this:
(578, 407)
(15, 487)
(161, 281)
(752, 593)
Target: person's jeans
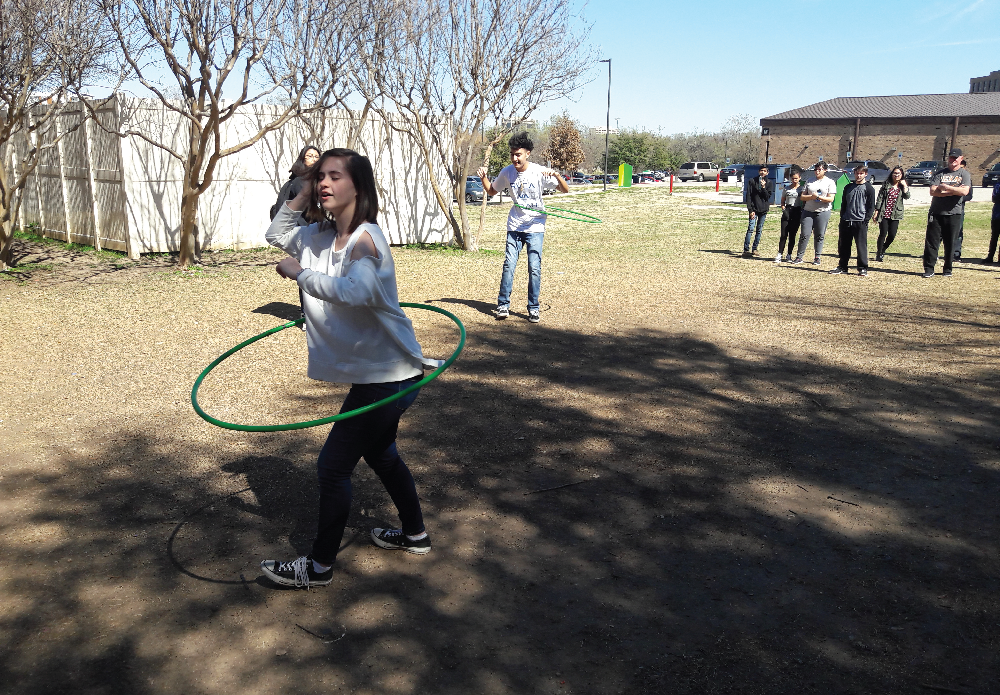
(371, 435)
(515, 240)
(758, 220)
(887, 230)
(813, 225)
(851, 234)
(790, 220)
(940, 228)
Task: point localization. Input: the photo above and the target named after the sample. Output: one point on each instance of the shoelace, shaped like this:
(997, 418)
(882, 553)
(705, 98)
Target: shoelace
(301, 568)
(392, 533)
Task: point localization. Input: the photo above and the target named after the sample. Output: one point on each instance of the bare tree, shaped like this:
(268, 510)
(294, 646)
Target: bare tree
(449, 66)
(48, 52)
(223, 55)
(741, 135)
(565, 148)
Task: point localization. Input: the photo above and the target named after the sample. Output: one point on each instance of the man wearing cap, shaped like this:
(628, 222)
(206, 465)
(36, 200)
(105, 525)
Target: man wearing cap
(949, 186)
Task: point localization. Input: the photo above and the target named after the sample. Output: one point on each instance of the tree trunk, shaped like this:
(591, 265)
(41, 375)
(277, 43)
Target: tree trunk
(6, 221)
(189, 227)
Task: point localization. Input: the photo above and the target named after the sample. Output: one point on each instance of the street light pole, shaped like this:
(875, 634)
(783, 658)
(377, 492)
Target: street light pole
(607, 125)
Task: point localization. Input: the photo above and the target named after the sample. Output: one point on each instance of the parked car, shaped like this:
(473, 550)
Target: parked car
(699, 171)
(877, 171)
(647, 177)
(577, 181)
(991, 176)
(473, 189)
(923, 172)
(732, 170)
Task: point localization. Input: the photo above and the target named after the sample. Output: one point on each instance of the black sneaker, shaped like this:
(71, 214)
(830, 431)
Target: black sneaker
(502, 312)
(298, 572)
(928, 274)
(946, 274)
(837, 271)
(863, 273)
(879, 259)
(395, 539)
(534, 316)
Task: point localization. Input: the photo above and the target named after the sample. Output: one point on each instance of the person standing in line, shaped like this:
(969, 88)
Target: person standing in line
(526, 181)
(949, 186)
(961, 229)
(994, 224)
(856, 210)
(818, 199)
(889, 210)
(791, 216)
(759, 194)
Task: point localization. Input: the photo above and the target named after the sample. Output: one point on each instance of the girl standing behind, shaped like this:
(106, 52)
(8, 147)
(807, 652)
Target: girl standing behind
(791, 216)
(889, 210)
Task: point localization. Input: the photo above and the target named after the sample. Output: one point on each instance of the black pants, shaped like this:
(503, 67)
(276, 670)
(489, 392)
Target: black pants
(886, 235)
(940, 228)
(959, 238)
(853, 233)
(371, 435)
(994, 236)
(790, 220)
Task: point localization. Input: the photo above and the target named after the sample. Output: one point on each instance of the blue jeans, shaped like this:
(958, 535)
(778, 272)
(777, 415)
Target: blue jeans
(515, 240)
(757, 219)
(371, 435)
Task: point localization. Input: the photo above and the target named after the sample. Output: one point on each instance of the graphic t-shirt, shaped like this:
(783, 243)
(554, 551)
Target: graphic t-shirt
(825, 187)
(792, 196)
(952, 204)
(526, 189)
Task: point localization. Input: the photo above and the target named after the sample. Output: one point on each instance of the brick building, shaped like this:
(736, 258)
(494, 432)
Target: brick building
(987, 83)
(899, 130)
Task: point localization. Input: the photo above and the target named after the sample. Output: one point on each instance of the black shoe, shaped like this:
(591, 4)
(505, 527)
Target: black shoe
(946, 274)
(987, 261)
(395, 539)
(838, 271)
(501, 312)
(298, 572)
(928, 274)
(863, 273)
(879, 259)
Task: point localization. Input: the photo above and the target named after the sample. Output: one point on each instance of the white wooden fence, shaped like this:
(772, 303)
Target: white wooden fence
(124, 193)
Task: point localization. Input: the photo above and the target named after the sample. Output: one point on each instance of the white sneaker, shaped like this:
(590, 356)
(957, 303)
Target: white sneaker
(777, 259)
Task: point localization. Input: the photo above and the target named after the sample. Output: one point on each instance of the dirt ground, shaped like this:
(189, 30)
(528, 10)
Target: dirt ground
(698, 474)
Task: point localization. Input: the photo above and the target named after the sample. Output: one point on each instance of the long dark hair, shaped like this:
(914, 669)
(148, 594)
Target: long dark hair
(360, 169)
(902, 175)
(300, 168)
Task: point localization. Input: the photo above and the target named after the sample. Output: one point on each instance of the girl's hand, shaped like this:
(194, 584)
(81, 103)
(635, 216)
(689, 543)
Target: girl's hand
(301, 201)
(288, 268)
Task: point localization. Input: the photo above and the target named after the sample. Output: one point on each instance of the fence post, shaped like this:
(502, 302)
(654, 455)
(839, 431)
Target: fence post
(717, 178)
(59, 124)
(671, 183)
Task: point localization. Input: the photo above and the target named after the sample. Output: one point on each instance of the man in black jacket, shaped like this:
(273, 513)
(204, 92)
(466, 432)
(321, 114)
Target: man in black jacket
(759, 194)
(856, 210)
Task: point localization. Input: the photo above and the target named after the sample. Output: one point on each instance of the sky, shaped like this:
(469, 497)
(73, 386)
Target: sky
(685, 66)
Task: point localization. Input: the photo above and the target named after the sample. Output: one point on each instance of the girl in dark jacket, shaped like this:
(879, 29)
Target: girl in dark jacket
(889, 210)
(307, 158)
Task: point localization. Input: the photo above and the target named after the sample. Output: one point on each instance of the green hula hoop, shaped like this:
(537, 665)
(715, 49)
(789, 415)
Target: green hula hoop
(333, 418)
(580, 216)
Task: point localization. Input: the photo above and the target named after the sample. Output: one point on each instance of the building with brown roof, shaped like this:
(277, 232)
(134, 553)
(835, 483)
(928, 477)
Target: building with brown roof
(903, 130)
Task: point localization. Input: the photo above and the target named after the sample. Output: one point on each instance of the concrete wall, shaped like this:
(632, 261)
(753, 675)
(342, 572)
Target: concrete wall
(885, 140)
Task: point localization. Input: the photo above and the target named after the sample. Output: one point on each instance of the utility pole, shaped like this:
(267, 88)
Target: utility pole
(607, 124)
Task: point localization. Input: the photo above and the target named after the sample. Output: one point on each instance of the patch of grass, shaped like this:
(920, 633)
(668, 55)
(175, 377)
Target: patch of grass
(32, 234)
(439, 247)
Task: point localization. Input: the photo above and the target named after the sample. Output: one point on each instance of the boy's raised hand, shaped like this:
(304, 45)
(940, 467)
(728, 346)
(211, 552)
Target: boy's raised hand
(481, 173)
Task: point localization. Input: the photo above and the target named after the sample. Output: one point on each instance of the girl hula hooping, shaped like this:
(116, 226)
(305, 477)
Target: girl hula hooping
(357, 334)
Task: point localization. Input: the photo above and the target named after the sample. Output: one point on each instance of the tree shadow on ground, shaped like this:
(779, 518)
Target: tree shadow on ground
(740, 525)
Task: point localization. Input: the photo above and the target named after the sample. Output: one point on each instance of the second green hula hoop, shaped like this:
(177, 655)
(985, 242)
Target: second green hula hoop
(580, 216)
(333, 418)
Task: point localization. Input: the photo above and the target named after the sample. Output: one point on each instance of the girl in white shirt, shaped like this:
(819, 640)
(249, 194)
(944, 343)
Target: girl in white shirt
(358, 334)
